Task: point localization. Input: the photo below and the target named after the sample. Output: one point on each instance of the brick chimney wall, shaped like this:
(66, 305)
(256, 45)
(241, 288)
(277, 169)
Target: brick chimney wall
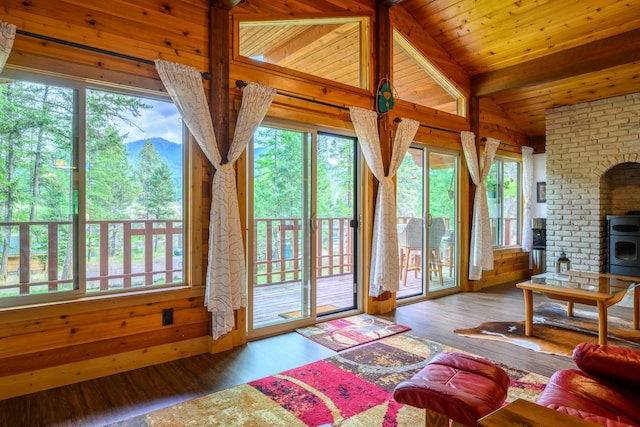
(593, 170)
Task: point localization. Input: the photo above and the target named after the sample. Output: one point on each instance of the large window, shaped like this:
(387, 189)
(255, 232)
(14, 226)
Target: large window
(91, 189)
(418, 81)
(332, 48)
(503, 193)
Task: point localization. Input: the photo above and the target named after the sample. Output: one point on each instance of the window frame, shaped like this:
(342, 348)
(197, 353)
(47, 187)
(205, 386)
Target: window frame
(366, 77)
(499, 161)
(432, 72)
(80, 87)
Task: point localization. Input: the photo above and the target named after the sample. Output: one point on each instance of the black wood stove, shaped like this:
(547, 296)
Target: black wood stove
(624, 244)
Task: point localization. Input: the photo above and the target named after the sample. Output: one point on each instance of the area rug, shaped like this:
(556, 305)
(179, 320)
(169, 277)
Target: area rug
(353, 388)
(341, 334)
(555, 333)
(319, 310)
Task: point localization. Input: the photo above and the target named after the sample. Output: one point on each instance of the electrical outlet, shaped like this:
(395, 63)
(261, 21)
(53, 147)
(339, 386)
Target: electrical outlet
(167, 316)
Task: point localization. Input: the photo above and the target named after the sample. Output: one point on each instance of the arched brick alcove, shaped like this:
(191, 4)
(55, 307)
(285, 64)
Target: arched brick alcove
(593, 170)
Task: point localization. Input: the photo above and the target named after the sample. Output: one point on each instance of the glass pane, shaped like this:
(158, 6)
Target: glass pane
(335, 208)
(495, 211)
(442, 209)
(503, 185)
(416, 80)
(511, 202)
(280, 285)
(410, 205)
(36, 188)
(134, 192)
(327, 48)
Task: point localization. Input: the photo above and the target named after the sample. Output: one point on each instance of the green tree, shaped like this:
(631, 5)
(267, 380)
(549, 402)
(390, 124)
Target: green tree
(34, 127)
(36, 149)
(158, 194)
(335, 176)
(278, 173)
(112, 187)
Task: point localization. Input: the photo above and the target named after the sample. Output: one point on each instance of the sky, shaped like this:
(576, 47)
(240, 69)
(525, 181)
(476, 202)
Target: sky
(163, 121)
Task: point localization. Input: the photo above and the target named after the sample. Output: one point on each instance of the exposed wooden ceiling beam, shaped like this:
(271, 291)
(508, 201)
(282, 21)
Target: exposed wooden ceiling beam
(389, 3)
(594, 56)
(225, 4)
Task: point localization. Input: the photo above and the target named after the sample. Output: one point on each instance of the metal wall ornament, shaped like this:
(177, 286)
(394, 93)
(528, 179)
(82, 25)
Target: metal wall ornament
(385, 96)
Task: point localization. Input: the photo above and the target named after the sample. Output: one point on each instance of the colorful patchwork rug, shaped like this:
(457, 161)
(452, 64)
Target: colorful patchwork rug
(353, 388)
(341, 334)
(554, 332)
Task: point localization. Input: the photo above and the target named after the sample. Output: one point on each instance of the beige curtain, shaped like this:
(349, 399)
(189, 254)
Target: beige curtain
(7, 36)
(385, 270)
(481, 249)
(226, 289)
(527, 195)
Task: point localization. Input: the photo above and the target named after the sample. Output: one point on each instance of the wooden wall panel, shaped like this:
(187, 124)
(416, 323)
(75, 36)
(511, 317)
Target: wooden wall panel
(496, 124)
(508, 265)
(174, 30)
(42, 340)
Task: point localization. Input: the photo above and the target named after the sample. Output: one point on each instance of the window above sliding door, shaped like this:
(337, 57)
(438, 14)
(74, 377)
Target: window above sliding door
(335, 49)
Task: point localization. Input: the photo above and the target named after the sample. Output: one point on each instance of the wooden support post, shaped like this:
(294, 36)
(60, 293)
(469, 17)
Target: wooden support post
(221, 112)
(219, 102)
(387, 301)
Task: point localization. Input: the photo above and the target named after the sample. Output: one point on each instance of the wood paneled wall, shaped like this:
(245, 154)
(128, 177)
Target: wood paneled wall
(508, 265)
(46, 346)
(55, 344)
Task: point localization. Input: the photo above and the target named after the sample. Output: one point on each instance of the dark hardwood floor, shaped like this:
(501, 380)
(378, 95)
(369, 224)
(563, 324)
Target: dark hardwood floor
(117, 397)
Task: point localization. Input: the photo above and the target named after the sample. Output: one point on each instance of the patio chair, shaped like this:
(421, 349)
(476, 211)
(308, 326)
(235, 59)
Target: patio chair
(410, 243)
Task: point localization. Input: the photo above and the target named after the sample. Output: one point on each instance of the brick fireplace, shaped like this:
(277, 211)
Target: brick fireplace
(593, 170)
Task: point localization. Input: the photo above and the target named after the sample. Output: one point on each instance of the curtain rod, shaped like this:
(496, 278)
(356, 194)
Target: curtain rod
(504, 143)
(205, 75)
(240, 84)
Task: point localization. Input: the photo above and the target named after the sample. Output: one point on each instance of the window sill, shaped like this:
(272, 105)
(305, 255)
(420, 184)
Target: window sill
(100, 302)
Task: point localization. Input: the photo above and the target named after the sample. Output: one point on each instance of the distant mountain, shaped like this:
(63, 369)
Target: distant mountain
(169, 151)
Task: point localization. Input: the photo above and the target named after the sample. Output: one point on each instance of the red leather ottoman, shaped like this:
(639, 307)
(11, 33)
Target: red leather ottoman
(455, 386)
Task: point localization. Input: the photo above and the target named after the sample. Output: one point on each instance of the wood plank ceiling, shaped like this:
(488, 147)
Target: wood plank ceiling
(536, 54)
(527, 55)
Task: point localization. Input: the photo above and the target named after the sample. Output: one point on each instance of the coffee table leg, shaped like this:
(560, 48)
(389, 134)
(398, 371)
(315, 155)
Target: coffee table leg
(569, 309)
(528, 312)
(636, 307)
(602, 323)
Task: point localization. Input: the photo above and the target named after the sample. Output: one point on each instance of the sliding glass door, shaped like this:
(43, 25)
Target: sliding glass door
(427, 194)
(302, 233)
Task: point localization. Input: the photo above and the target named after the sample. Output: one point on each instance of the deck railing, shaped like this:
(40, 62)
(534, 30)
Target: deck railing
(277, 249)
(111, 246)
(121, 254)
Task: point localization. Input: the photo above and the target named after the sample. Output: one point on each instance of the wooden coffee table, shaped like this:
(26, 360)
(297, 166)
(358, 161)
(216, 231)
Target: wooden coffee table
(524, 413)
(594, 289)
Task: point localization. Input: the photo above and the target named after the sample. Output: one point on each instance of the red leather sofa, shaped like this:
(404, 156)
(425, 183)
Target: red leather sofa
(605, 389)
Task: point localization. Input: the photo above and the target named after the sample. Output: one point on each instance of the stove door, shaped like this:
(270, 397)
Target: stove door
(623, 255)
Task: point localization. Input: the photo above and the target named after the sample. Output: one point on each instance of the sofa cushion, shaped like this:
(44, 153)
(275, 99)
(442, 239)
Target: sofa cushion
(583, 392)
(612, 363)
(608, 422)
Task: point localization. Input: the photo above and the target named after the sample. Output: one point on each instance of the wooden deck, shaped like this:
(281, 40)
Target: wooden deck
(274, 302)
